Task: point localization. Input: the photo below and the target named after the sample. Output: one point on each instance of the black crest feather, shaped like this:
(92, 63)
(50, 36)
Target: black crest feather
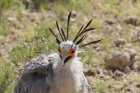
(59, 31)
(82, 30)
(68, 23)
(93, 42)
(57, 40)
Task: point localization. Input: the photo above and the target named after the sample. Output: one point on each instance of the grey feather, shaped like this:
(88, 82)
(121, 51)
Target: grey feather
(38, 65)
(34, 75)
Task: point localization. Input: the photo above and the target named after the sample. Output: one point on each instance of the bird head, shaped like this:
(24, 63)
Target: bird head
(68, 48)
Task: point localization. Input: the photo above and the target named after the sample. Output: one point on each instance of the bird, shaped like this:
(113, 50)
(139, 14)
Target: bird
(59, 72)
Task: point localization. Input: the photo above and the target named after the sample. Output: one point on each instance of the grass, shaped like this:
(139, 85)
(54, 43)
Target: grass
(102, 86)
(7, 73)
(3, 26)
(5, 4)
(2, 40)
(7, 77)
(126, 34)
(60, 7)
(41, 43)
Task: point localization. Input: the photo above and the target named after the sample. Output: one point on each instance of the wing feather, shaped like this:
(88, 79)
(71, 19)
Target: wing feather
(33, 76)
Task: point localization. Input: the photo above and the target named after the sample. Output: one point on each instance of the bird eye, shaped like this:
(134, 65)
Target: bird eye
(70, 52)
(73, 50)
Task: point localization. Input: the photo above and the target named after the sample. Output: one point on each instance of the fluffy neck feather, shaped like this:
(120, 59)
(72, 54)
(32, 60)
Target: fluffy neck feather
(68, 78)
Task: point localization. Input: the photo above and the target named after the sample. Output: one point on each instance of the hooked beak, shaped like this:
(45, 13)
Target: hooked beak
(63, 58)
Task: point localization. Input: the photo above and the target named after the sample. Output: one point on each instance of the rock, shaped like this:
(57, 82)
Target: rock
(121, 60)
(99, 70)
(138, 66)
(50, 14)
(132, 53)
(110, 21)
(109, 73)
(101, 75)
(32, 16)
(107, 30)
(74, 14)
(98, 49)
(127, 70)
(24, 13)
(118, 73)
(10, 19)
(107, 77)
(120, 41)
(135, 67)
(134, 35)
(138, 85)
(90, 72)
(89, 79)
(138, 38)
(118, 61)
(129, 45)
(133, 20)
(131, 89)
(119, 27)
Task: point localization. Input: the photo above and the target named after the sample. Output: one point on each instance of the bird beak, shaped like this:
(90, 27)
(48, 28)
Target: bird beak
(63, 58)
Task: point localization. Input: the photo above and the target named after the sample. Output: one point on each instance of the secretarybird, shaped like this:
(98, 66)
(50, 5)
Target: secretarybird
(58, 72)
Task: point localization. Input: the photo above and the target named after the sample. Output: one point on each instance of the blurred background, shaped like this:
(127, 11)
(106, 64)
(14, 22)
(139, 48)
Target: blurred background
(24, 34)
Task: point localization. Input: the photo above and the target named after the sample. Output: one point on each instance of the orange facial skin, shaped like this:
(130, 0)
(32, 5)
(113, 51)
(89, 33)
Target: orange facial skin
(60, 52)
(70, 52)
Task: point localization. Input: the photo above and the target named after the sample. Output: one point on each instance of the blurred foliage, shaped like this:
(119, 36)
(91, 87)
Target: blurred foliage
(7, 71)
(3, 27)
(27, 50)
(6, 4)
(7, 77)
(59, 6)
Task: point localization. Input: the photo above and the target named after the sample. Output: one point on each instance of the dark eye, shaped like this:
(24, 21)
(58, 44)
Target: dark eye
(73, 50)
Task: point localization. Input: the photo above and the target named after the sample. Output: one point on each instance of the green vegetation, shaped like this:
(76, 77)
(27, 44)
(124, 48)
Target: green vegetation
(6, 4)
(7, 77)
(41, 44)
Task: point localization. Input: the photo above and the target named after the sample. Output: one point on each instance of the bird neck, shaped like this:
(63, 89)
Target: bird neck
(68, 77)
(72, 67)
